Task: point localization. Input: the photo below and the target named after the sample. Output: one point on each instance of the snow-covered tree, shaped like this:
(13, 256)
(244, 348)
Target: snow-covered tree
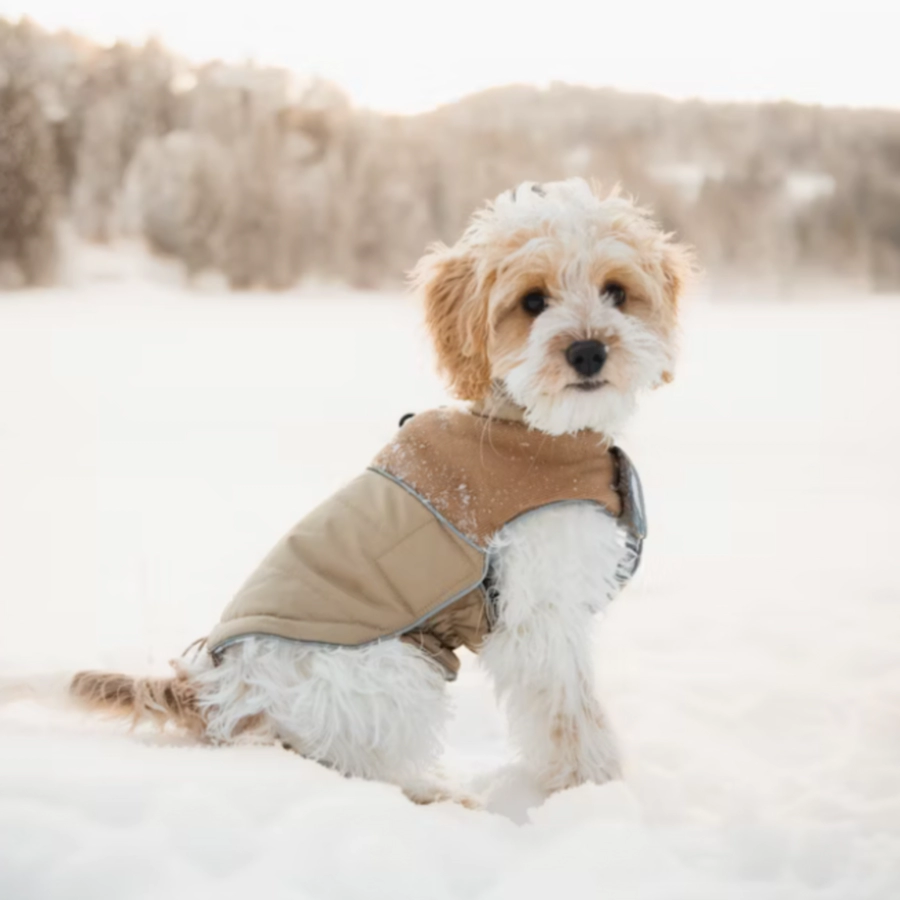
(175, 195)
(270, 178)
(28, 187)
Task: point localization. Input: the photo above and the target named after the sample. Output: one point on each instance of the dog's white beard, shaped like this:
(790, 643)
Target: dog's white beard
(605, 410)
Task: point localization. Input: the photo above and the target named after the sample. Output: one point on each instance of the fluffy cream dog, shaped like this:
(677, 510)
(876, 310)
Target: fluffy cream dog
(557, 307)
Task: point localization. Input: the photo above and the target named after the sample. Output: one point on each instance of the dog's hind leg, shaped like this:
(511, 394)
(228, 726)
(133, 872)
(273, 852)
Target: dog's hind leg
(375, 712)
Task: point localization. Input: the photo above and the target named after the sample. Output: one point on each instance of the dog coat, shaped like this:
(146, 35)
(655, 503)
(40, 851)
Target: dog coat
(402, 550)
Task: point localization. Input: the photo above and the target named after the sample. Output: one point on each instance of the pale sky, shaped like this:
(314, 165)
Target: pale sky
(409, 55)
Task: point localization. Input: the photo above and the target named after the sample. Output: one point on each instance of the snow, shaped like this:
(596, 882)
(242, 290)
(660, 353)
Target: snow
(154, 443)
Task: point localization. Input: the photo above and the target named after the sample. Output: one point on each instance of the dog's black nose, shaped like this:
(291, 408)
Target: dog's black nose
(586, 357)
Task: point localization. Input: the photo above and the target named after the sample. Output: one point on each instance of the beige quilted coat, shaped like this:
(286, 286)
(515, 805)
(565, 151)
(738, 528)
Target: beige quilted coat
(401, 550)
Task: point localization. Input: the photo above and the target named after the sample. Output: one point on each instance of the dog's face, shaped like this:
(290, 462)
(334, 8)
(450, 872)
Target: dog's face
(559, 299)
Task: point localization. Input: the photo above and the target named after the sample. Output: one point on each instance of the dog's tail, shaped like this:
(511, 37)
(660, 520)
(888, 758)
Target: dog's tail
(157, 700)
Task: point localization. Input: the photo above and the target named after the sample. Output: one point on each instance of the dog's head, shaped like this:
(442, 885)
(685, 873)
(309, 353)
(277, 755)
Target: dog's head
(560, 299)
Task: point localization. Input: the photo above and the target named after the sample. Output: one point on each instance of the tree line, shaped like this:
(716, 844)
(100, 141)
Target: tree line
(270, 178)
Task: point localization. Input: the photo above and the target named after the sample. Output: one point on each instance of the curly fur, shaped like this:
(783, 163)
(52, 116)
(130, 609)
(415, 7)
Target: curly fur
(554, 571)
(376, 711)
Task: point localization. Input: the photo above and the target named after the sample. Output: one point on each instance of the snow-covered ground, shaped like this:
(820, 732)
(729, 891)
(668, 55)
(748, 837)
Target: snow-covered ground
(154, 443)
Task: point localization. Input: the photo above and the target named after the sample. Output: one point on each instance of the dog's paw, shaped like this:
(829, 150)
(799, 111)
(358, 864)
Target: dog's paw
(596, 764)
(427, 791)
(563, 779)
(440, 795)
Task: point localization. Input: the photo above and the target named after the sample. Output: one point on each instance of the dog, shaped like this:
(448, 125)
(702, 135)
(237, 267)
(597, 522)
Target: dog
(552, 314)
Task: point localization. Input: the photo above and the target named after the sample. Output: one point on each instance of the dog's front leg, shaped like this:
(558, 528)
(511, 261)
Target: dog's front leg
(550, 580)
(544, 680)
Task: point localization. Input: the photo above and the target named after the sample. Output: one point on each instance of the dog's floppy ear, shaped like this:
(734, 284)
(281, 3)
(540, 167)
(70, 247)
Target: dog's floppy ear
(679, 269)
(456, 314)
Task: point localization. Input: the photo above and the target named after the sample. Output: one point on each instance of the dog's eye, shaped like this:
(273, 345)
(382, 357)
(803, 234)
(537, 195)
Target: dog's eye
(534, 303)
(615, 292)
